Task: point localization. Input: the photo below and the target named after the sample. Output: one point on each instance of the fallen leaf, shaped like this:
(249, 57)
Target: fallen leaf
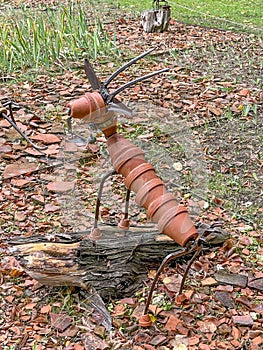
(172, 283)
(19, 182)
(172, 323)
(5, 149)
(62, 186)
(207, 326)
(119, 310)
(180, 347)
(158, 339)
(71, 331)
(209, 281)
(78, 347)
(46, 138)
(45, 309)
(19, 216)
(243, 320)
(19, 168)
(50, 208)
(60, 321)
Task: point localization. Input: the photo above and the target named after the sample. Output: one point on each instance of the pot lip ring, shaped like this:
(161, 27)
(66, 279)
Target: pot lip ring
(169, 215)
(146, 188)
(159, 202)
(89, 99)
(136, 172)
(130, 153)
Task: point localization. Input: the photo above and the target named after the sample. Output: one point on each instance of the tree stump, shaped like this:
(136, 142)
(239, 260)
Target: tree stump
(156, 20)
(115, 265)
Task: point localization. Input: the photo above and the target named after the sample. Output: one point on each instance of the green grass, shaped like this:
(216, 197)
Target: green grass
(33, 38)
(243, 14)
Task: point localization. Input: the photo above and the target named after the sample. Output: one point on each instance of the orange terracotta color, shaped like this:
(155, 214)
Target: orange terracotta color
(86, 105)
(145, 321)
(177, 224)
(149, 191)
(124, 224)
(95, 234)
(142, 172)
(122, 151)
(160, 205)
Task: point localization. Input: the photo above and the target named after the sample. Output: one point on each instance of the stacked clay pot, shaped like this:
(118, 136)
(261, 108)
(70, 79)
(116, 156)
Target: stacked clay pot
(162, 208)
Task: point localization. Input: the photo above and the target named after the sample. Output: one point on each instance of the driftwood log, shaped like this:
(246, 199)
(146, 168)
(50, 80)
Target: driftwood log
(115, 265)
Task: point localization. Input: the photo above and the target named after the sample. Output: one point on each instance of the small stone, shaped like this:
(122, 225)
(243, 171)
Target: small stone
(244, 320)
(178, 166)
(225, 299)
(256, 284)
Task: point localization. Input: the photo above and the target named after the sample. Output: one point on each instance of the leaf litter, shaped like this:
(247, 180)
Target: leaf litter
(221, 306)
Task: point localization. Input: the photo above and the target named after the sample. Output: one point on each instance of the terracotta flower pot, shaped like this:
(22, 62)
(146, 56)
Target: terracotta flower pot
(86, 105)
(149, 191)
(177, 224)
(124, 155)
(160, 206)
(139, 175)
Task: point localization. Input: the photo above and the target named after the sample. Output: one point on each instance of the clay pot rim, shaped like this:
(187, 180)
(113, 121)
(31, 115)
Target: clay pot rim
(146, 189)
(159, 202)
(136, 172)
(89, 99)
(169, 215)
(130, 153)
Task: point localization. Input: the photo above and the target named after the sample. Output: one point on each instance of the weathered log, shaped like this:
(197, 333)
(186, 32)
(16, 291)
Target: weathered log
(115, 265)
(156, 20)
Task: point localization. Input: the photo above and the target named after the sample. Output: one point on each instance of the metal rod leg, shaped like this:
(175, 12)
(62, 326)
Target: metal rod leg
(10, 121)
(196, 254)
(127, 203)
(95, 233)
(97, 209)
(124, 224)
(165, 261)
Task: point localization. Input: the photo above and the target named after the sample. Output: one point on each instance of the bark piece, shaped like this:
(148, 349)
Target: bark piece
(234, 279)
